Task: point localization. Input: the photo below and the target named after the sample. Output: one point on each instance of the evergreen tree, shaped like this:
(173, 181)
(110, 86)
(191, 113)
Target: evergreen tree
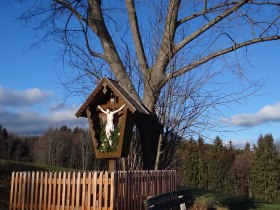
(4, 137)
(247, 148)
(220, 172)
(202, 164)
(265, 170)
(2, 144)
(191, 164)
(215, 165)
(228, 157)
(4, 133)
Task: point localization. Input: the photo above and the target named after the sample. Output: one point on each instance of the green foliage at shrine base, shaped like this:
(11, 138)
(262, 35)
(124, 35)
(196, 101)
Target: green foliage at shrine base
(236, 203)
(104, 145)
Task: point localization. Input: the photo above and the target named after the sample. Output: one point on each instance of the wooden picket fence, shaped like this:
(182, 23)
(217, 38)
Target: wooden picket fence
(87, 190)
(135, 186)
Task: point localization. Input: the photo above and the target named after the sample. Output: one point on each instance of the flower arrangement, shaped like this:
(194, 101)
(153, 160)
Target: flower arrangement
(108, 145)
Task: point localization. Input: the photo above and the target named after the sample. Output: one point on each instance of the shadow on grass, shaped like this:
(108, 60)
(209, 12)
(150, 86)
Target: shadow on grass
(236, 203)
(228, 200)
(239, 203)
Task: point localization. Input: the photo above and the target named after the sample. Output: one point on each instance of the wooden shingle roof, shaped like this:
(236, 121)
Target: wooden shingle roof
(117, 88)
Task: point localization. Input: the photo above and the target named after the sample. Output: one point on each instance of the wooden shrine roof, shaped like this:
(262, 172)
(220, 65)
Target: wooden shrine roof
(116, 87)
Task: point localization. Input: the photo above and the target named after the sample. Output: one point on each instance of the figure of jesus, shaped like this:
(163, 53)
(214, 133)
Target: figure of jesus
(109, 123)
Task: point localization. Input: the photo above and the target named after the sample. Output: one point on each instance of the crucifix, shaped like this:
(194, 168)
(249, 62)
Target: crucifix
(109, 123)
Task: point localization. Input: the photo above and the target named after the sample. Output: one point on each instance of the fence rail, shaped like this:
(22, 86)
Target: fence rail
(87, 190)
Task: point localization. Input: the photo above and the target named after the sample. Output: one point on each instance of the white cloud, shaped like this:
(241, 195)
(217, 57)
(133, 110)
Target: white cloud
(269, 113)
(26, 112)
(33, 123)
(27, 97)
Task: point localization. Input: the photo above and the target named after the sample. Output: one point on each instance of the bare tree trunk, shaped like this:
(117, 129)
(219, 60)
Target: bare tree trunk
(134, 160)
(249, 188)
(158, 154)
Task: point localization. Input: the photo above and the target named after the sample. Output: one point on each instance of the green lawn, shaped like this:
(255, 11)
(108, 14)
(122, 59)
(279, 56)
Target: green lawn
(6, 169)
(237, 203)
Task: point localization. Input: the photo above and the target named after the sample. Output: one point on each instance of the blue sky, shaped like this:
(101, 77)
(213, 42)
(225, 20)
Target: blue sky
(30, 94)
(259, 114)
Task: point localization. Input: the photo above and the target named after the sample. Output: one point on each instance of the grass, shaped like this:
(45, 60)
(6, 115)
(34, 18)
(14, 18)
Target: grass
(6, 169)
(237, 203)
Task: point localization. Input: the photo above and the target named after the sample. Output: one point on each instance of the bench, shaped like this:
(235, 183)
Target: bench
(180, 199)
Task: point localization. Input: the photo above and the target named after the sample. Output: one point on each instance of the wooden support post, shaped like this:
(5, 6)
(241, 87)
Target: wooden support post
(112, 165)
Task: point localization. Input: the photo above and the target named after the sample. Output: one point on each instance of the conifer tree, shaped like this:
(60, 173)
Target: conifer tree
(202, 164)
(228, 157)
(265, 170)
(220, 166)
(247, 148)
(215, 165)
(4, 143)
(191, 164)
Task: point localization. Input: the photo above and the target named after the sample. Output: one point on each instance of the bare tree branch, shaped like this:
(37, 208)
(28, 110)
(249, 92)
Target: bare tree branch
(71, 9)
(219, 53)
(136, 35)
(207, 26)
(82, 20)
(166, 51)
(203, 12)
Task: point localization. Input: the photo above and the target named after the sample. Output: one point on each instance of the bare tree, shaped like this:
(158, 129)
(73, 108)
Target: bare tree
(85, 146)
(52, 148)
(201, 33)
(134, 160)
(241, 168)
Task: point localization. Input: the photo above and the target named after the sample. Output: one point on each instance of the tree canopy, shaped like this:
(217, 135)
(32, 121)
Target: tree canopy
(162, 52)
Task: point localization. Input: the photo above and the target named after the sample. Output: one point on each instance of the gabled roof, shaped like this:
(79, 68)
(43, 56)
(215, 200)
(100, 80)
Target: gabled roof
(119, 89)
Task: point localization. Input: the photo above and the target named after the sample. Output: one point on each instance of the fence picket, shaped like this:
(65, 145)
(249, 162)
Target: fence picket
(53, 191)
(58, 191)
(84, 195)
(112, 198)
(12, 191)
(41, 184)
(49, 190)
(68, 192)
(99, 201)
(45, 190)
(19, 191)
(23, 190)
(78, 187)
(63, 195)
(94, 189)
(28, 177)
(73, 190)
(88, 204)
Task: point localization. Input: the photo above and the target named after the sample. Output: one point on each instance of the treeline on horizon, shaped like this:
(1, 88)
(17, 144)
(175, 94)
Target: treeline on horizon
(61, 147)
(252, 171)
